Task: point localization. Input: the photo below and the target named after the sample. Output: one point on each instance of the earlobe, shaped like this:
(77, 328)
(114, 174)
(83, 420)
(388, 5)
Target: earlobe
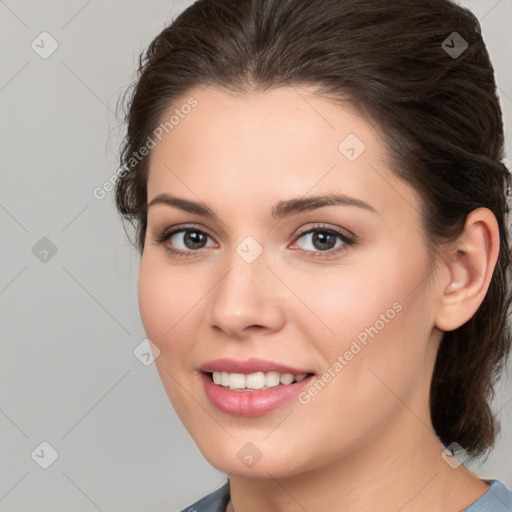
(470, 263)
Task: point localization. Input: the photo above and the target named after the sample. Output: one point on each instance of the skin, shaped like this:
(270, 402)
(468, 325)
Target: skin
(366, 441)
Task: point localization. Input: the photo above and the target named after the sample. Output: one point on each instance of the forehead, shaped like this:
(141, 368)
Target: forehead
(255, 147)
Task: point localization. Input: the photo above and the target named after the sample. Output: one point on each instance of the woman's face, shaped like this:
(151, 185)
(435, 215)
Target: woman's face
(271, 280)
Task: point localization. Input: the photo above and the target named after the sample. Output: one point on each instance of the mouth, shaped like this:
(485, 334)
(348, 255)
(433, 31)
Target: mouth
(255, 381)
(252, 388)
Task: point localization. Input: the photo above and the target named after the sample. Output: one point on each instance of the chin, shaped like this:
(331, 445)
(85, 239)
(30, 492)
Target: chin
(239, 456)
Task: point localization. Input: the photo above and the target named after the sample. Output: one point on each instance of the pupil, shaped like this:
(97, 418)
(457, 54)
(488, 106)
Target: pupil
(194, 240)
(323, 240)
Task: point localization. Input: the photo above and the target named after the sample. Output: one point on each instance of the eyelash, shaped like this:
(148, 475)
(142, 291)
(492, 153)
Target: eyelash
(347, 241)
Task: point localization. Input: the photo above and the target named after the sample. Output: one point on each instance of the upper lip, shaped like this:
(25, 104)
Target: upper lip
(252, 365)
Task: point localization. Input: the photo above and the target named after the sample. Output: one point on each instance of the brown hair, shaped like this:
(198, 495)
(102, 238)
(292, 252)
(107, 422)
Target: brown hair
(438, 112)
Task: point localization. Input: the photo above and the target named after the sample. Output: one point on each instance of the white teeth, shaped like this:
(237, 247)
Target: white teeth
(286, 378)
(258, 380)
(237, 380)
(224, 379)
(272, 379)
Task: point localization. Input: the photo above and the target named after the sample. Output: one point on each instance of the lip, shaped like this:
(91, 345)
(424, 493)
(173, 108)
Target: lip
(255, 402)
(251, 403)
(249, 366)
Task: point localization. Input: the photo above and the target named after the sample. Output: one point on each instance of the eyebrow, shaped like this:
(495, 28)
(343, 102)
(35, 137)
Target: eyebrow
(279, 210)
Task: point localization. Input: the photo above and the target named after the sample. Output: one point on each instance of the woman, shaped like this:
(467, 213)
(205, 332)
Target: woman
(321, 211)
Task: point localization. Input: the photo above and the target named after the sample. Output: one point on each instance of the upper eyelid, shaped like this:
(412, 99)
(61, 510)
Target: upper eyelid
(188, 227)
(318, 226)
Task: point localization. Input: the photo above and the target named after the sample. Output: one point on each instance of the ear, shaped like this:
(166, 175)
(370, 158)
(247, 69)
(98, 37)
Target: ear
(470, 262)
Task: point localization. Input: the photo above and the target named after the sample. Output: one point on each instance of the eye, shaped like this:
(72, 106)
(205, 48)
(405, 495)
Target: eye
(320, 239)
(184, 241)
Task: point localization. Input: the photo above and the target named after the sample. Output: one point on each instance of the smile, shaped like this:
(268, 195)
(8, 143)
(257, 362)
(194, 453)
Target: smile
(252, 394)
(253, 381)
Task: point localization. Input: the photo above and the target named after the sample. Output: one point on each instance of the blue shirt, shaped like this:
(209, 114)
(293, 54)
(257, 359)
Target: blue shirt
(497, 499)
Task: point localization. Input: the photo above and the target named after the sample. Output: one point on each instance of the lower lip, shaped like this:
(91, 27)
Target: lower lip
(251, 403)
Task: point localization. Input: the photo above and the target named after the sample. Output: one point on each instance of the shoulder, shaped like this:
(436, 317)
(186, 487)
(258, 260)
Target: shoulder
(497, 499)
(216, 501)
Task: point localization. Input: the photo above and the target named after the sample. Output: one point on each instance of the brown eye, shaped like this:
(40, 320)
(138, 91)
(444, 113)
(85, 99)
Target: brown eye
(323, 240)
(194, 239)
(184, 241)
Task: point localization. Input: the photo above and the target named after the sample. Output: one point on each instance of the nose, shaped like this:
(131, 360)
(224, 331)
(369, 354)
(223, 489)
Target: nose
(247, 300)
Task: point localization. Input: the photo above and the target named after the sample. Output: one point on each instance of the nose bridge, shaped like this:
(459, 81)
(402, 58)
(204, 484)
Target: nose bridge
(244, 297)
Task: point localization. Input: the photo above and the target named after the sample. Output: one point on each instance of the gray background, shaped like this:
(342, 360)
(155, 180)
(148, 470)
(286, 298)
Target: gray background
(70, 320)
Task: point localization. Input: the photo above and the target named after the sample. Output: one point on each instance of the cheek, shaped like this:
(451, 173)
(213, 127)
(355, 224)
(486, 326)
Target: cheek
(166, 305)
(377, 316)
(166, 300)
(152, 299)
(350, 301)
